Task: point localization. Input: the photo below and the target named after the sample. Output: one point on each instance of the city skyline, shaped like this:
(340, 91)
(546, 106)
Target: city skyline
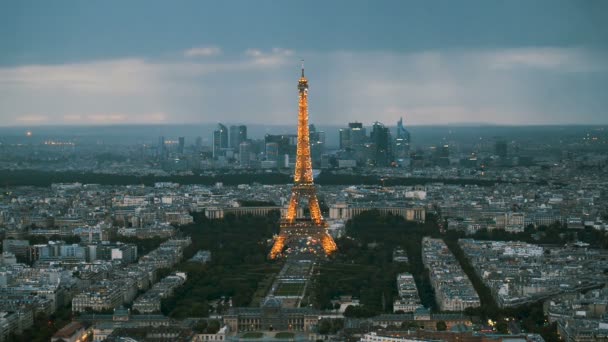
(507, 64)
(169, 173)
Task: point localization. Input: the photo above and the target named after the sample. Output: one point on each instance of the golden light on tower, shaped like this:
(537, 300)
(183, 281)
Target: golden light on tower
(293, 228)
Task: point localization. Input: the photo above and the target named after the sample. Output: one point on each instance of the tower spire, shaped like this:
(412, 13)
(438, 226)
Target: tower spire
(302, 67)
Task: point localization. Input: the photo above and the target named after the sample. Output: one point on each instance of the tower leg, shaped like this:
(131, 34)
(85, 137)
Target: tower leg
(292, 211)
(328, 243)
(277, 247)
(315, 209)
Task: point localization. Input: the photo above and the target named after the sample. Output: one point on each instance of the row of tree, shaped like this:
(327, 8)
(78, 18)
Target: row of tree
(332, 178)
(238, 263)
(364, 268)
(553, 234)
(46, 178)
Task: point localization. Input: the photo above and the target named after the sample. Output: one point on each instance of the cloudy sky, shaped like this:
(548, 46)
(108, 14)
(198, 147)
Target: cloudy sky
(432, 62)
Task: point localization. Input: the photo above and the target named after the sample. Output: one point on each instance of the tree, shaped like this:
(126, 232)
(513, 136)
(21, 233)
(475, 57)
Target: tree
(412, 325)
(237, 268)
(441, 326)
(359, 311)
(201, 326)
(502, 327)
(324, 326)
(213, 326)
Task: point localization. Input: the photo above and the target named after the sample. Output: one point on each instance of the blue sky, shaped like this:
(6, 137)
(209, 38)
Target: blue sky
(432, 62)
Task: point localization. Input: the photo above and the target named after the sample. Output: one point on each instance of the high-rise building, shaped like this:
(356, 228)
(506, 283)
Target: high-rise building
(220, 140)
(286, 146)
(443, 154)
(317, 144)
(381, 139)
(244, 153)
(401, 131)
(353, 136)
(238, 134)
(357, 134)
(272, 151)
(344, 138)
(402, 141)
(161, 149)
(180, 146)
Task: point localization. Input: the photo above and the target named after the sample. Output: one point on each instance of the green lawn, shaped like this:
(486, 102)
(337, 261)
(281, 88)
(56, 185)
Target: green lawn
(289, 289)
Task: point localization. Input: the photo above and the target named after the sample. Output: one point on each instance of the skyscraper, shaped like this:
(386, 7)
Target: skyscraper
(443, 154)
(244, 153)
(401, 131)
(272, 151)
(353, 136)
(381, 139)
(180, 146)
(344, 138)
(317, 144)
(161, 150)
(402, 141)
(357, 134)
(286, 146)
(238, 134)
(220, 140)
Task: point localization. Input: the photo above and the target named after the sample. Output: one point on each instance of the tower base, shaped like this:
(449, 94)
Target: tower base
(303, 237)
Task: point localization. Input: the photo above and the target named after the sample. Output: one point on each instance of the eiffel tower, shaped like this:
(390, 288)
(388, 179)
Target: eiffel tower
(309, 234)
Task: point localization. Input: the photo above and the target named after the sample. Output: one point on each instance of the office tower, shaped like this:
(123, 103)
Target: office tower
(303, 233)
(317, 144)
(444, 155)
(238, 134)
(381, 139)
(402, 141)
(357, 134)
(199, 143)
(286, 146)
(161, 150)
(220, 140)
(353, 136)
(244, 153)
(402, 133)
(180, 146)
(444, 151)
(233, 139)
(344, 138)
(272, 151)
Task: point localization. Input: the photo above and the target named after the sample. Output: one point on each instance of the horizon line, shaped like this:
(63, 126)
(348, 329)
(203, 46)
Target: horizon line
(455, 124)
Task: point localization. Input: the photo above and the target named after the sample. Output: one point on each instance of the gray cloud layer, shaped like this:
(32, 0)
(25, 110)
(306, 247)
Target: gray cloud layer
(204, 84)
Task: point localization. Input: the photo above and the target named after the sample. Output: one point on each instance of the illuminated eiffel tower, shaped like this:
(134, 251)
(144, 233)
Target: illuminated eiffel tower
(303, 233)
